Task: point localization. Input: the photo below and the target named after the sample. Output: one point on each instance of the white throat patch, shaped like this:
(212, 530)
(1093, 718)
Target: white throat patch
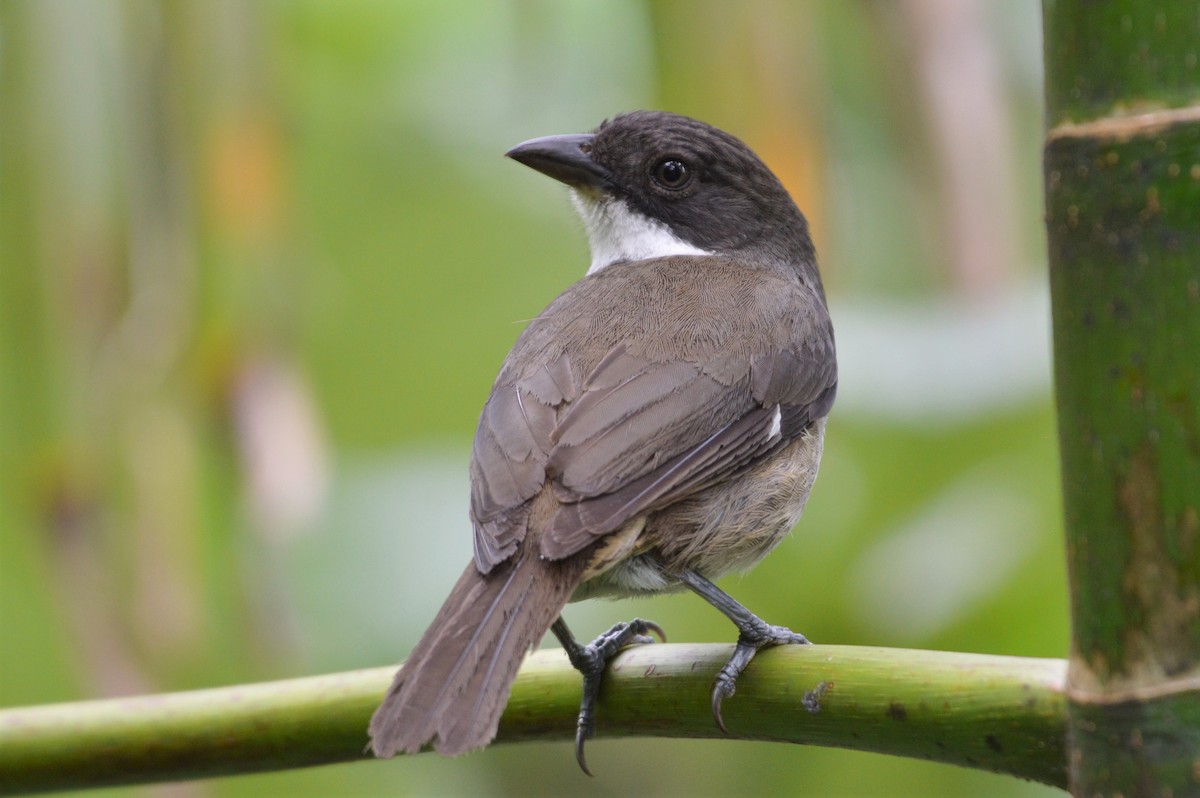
(617, 233)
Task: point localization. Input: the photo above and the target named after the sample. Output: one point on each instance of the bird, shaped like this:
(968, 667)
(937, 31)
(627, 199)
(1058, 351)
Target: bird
(659, 425)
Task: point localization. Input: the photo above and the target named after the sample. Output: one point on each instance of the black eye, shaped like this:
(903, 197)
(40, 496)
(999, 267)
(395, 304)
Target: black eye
(672, 173)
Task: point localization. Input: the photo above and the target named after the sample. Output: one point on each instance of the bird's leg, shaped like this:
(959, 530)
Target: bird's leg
(753, 633)
(590, 660)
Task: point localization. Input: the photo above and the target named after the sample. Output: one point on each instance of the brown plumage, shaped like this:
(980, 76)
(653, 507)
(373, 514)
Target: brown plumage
(462, 667)
(663, 417)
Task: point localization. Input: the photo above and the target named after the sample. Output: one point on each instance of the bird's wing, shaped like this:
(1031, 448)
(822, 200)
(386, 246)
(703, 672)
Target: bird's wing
(508, 461)
(643, 434)
(642, 427)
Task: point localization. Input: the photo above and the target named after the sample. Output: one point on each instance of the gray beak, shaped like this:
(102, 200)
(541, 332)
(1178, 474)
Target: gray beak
(565, 158)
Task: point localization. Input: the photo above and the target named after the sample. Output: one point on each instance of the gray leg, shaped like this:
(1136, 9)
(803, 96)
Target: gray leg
(753, 633)
(590, 660)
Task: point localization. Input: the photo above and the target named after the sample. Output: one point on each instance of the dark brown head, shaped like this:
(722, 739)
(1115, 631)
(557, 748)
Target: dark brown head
(652, 183)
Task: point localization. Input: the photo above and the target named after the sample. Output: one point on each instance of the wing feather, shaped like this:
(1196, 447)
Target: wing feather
(647, 424)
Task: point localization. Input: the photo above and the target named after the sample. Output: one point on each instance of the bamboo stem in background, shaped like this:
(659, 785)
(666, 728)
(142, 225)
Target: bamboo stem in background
(1122, 172)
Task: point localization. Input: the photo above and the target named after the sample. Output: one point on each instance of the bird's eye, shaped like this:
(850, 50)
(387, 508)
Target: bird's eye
(672, 173)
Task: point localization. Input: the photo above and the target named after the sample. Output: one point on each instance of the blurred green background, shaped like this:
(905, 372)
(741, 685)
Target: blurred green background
(259, 263)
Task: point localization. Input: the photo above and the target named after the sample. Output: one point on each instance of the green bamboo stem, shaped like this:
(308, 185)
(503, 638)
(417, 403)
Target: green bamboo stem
(1003, 714)
(1123, 219)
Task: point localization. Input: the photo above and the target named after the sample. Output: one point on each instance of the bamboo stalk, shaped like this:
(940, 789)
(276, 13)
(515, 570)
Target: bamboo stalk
(1003, 714)
(1123, 216)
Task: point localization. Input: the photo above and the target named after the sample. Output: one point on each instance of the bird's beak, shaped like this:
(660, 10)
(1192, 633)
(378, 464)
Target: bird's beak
(565, 158)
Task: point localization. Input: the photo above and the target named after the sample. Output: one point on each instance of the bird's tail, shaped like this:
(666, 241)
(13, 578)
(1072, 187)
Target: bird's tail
(454, 685)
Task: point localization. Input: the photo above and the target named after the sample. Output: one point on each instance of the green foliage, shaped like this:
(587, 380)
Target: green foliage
(317, 190)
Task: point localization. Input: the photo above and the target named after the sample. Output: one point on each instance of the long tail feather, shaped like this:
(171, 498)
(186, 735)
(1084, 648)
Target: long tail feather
(452, 689)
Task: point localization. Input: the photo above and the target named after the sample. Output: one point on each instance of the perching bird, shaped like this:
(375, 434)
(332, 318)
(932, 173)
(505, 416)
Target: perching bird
(659, 425)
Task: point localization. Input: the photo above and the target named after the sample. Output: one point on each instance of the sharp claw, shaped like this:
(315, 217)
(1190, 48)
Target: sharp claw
(645, 639)
(717, 697)
(753, 633)
(590, 661)
(580, 739)
(723, 688)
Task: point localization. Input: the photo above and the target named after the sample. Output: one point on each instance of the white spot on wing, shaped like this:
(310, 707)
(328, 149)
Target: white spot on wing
(775, 431)
(617, 233)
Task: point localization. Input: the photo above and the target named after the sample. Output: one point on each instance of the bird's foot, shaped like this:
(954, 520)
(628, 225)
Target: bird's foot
(591, 660)
(754, 634)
